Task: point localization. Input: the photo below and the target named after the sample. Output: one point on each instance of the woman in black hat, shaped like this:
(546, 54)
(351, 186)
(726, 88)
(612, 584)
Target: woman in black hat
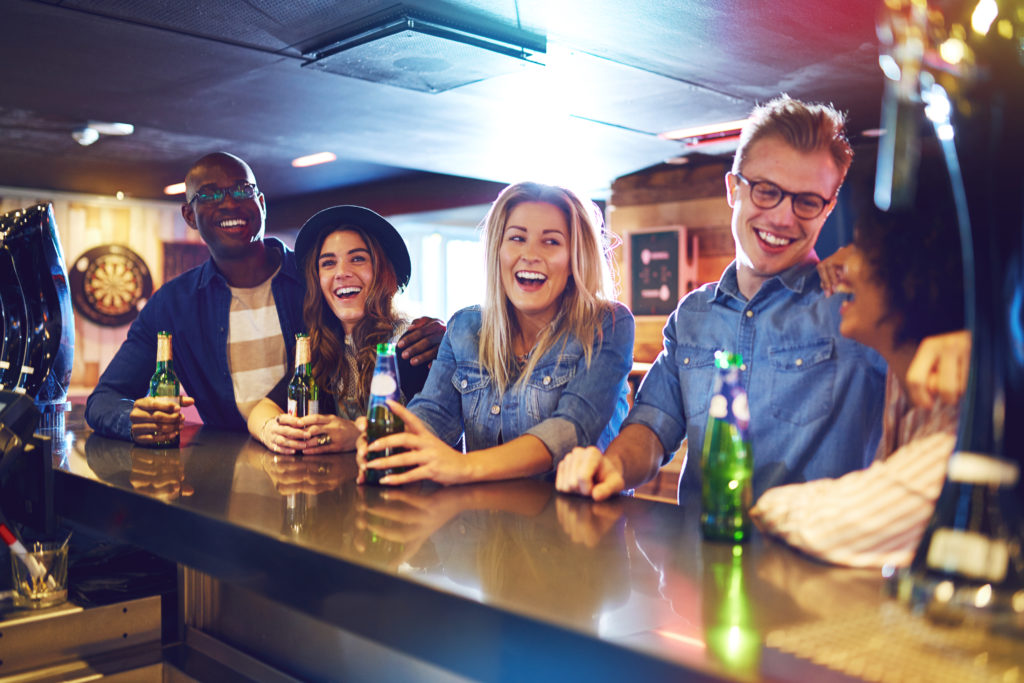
(354, 262)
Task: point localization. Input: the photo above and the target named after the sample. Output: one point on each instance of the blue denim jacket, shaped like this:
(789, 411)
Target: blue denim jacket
(563, 403)
(194, 307)
(815, 396)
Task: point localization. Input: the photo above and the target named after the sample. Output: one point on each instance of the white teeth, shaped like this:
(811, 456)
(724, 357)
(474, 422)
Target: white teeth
(232, 223)
(345, 291)
(530, 275)
(773, 240)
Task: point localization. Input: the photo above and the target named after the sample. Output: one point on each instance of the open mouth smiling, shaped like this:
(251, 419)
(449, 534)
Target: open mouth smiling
(232, 224)
(773, 240)
(344, 293)
(530, 279)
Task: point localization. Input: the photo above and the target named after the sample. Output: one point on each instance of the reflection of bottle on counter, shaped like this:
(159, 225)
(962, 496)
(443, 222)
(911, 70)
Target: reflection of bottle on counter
(730, 629)
(378, 535)
(299, 509)
(164, 382)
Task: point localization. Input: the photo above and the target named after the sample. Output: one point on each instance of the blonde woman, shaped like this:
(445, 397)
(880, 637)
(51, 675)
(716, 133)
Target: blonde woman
(538, 369)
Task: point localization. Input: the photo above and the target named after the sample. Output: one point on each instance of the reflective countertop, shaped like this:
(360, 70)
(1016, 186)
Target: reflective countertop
(515, 570)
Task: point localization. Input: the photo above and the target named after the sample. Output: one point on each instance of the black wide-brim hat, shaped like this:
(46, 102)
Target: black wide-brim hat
(372, 223)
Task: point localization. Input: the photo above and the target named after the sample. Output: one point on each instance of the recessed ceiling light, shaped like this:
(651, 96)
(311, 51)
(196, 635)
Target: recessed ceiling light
(314, 159)
(176, 188)
(119, 194)
(703, 132)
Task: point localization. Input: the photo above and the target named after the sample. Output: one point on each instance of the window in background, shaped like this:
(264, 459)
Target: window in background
(447, 261)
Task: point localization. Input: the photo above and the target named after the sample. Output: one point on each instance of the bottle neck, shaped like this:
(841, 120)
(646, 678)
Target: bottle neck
(163, 349)
(302, 355)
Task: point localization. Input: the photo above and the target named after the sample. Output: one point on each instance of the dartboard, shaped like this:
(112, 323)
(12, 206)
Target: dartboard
(110, 284)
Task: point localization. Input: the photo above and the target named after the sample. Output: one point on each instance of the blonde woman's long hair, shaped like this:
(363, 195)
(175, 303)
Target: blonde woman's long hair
(326, 333)
(588, 291)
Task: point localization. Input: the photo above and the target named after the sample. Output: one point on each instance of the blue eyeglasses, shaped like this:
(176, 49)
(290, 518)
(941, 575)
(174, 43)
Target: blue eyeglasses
(209, 194)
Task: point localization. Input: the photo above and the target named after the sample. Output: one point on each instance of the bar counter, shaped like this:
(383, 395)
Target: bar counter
(289, 562)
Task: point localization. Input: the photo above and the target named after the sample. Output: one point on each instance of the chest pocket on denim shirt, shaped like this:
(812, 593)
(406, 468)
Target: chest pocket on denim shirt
(802, 380)
(545, 387)
(696, 368)
(471, 382)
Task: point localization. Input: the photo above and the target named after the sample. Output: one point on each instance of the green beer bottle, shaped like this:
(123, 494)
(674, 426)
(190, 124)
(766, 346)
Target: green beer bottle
(726, 462)
(380, 421)
(303, 394)
(164, 383)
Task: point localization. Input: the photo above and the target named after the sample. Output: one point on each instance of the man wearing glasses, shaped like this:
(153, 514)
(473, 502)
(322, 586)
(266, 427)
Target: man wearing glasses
(233, 319)
(815, 396)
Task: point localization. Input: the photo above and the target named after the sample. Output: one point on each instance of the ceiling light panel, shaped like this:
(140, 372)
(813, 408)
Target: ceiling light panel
(424, 55)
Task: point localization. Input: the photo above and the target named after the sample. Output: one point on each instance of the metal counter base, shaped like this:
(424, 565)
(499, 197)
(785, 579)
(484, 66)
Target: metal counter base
(68, 642)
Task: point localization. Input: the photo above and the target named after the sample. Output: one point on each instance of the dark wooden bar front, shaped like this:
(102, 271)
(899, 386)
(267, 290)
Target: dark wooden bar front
(288, 564)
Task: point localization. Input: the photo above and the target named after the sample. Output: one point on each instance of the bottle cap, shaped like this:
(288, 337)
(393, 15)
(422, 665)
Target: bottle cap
(726, 359)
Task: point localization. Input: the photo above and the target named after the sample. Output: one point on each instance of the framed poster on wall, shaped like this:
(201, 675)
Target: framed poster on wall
(662, 268)
(654, 272)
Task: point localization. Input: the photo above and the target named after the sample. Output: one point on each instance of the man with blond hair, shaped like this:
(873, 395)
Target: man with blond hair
(815, 396)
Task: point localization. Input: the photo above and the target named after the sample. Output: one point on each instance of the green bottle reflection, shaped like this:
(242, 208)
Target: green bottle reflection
(730, 629)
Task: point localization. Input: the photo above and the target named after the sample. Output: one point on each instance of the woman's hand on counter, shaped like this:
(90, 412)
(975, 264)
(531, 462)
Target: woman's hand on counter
(283, 434)
(155, 419)
(327, 434)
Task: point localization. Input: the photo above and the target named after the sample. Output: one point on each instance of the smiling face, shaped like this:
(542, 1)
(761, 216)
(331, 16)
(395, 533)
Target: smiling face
(769, 241)
(346, 275)
(232, 228)
(865, 311)
(534, 261)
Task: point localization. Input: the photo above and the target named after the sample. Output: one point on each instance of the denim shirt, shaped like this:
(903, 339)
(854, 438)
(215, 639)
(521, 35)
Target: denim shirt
(194, 307)
(564, 403)
(815, 396)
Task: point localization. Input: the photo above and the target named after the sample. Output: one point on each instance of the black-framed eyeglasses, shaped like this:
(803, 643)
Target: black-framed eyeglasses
(209, 194)
(767, 195)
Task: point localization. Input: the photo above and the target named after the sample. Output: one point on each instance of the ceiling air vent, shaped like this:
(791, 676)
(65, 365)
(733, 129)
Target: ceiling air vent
(425, 54)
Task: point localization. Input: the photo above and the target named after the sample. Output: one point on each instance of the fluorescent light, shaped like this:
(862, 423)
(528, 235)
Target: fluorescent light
(176, 188)
(314, 159)
(112, 128)
(711, 130)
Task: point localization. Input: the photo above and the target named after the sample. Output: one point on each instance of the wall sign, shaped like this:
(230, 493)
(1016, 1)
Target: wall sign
(654, 261)
(110, 284)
